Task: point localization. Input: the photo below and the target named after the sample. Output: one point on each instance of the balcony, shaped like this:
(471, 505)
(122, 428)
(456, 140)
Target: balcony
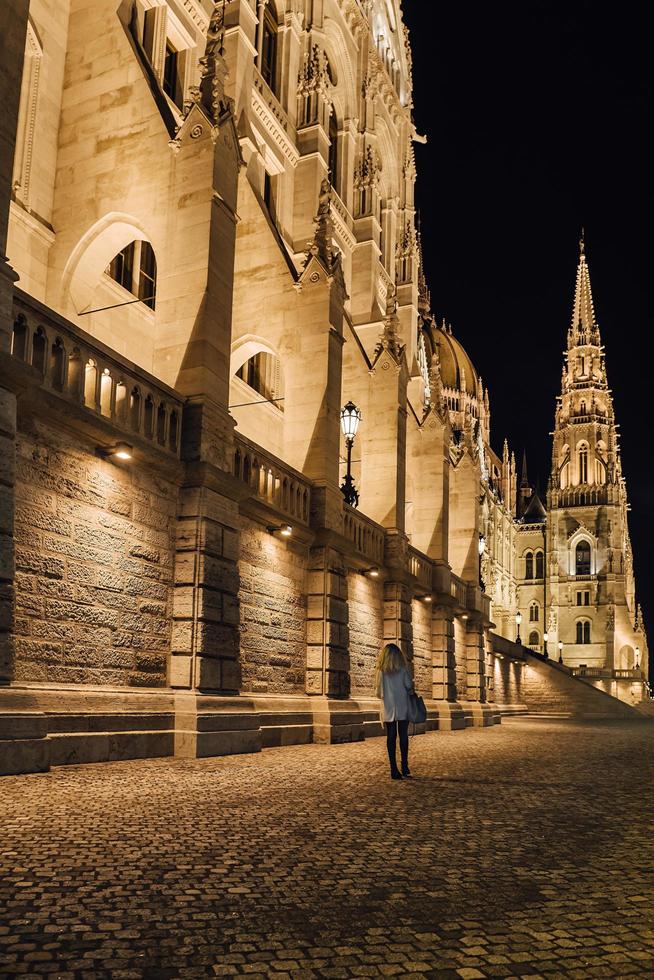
(280, 487)
(459, 591)
(81, 371)
(605, 673)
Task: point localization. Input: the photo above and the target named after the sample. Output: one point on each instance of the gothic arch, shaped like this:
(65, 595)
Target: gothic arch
(95, 250)
(344, 71)
(246, 347)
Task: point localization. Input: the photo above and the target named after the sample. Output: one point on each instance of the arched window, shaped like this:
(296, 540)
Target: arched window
(582, 558)
(333, 148)
(582, 408)
(583, 463)
(135, 269)
(263, 373)
(583, 632)
(534, 639)
(529, 565)
(534, 612)
(540, 565)
(268, 65)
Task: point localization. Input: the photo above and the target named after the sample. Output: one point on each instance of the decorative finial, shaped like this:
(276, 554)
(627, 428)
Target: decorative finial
(582, 244)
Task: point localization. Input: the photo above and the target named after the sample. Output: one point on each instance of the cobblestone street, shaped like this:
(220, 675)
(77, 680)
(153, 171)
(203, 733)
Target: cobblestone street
(526, 850)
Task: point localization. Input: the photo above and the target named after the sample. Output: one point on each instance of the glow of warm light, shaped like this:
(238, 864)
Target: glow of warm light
(286, 531)
(374, 573)
(546, 636)
(560, 646)
(518, 619)
(427, 598)
(482, 544)
(350, 418)
(121, 451)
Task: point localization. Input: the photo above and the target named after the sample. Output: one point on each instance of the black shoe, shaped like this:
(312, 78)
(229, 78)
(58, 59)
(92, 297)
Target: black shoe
(396, 774)
(406, 774)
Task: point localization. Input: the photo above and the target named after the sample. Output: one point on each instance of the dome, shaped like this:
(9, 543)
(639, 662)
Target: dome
(455, 363)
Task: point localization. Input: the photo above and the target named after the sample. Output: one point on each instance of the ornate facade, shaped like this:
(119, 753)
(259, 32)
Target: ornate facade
(212, 247)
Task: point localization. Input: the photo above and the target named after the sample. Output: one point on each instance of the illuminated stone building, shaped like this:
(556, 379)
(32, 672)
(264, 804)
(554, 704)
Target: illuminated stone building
(209, 220)
(575, 572)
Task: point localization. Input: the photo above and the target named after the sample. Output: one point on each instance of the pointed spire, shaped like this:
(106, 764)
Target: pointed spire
(213, 64)
(584, 325)
(524, 481)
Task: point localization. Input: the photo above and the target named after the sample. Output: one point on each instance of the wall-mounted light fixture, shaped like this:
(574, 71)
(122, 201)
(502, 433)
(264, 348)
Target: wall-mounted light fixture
(370, 572)
(122, 451)
(425, 598)
(284, 530)
(464, 617)
(518, 623)
(350, 419)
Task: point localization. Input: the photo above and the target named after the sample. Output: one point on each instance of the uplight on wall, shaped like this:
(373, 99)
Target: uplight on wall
(121, 451)
(283, 530)
(370, 572)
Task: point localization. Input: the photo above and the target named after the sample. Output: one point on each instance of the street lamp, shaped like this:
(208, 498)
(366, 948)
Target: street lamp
(546, 637)
(560, 651)
(518, 622)
(350, 418)
(637, 658)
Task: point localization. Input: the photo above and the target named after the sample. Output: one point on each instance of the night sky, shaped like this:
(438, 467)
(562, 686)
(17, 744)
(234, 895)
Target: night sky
(539, 120)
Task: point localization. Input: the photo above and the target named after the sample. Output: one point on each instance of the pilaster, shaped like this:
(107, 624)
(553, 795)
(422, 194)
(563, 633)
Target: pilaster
(328, 663)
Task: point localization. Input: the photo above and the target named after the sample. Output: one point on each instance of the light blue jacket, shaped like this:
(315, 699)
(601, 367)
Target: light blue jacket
(394, 689)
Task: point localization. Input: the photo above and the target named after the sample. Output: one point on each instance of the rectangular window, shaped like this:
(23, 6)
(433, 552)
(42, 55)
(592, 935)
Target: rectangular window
(172, 80)
(147, 275)
(121, 267)
(583, 598)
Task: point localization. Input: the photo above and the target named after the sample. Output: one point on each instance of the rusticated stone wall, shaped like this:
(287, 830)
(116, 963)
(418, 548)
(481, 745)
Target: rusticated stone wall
(366, 628)
(273, 609)
(93, 565)
(422, 643)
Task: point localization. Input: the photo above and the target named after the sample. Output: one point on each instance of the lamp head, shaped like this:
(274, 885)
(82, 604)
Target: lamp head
(350, 419)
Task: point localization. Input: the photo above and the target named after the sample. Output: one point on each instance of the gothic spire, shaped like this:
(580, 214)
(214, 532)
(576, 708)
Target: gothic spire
(524, 481)
(584, 327)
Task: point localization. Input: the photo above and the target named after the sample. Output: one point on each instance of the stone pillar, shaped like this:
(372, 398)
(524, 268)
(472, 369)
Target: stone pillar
(398, 622)
(443, 659)
(205, 643)
(475, 657)
(328, 665)
(428, 458)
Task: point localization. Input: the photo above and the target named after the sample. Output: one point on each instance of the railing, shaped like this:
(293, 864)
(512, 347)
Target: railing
(367, 537)
(580, 497)
(459, 591)
(607, 674)
(421, 568)
(272, 102)
(82, 371)
(280, 486)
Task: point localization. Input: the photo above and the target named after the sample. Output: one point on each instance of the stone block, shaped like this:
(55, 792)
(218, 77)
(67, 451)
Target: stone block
(180, 671)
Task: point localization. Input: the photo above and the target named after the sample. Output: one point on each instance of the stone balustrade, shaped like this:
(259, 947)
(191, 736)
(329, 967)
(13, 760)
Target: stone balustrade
(275, 483)
(79, 369)
(420, 567)
(366, 536)
(459, 591)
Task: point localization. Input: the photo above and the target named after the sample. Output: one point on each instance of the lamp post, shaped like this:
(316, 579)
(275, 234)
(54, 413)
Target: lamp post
(546, 637)
(518, 623)
(482, 549)
(637, 658)
(350, 419)
(560, 651)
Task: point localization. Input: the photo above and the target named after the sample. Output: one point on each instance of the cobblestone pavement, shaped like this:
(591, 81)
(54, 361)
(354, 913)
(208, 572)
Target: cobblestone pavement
(522, 851)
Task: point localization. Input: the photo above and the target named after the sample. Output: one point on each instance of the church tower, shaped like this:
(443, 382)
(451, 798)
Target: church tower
(591, 595)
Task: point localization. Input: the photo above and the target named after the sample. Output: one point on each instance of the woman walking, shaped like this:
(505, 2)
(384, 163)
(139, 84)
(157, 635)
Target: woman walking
(393, 684)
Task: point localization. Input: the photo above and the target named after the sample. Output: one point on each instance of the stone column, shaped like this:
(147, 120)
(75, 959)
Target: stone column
(475, 657)
(328, 664)
(443, 659)
(205, 643)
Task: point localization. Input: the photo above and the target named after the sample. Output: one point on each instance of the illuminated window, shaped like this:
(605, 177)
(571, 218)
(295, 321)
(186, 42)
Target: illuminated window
(583, 631)
(135, 269)
(269, 49)
(529, 565)
(333, 148)
(583, 463)
(582, 558)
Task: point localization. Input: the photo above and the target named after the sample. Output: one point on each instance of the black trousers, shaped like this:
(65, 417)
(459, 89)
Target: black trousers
(392, 728)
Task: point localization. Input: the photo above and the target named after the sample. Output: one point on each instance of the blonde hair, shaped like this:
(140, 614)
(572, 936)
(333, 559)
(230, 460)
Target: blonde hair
(390, 659)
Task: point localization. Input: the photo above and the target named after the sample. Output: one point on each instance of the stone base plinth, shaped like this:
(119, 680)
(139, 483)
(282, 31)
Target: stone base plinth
(24, 743)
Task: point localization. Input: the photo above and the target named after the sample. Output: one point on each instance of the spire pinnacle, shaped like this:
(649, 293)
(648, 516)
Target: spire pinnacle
(584, 327)
(524, 482)
(582, 243)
